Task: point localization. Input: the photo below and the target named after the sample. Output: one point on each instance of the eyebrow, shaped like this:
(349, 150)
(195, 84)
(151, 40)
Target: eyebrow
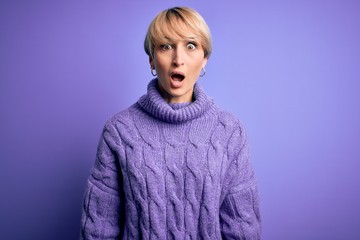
(190, 38)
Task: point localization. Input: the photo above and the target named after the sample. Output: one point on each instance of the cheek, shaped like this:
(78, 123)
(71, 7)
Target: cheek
(161, 63)
(199, 60)
(198, 64)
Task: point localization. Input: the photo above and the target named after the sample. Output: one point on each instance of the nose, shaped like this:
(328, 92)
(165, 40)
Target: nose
(178, 58)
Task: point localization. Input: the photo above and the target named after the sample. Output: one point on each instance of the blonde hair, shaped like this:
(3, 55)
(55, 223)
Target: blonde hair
(178, 21)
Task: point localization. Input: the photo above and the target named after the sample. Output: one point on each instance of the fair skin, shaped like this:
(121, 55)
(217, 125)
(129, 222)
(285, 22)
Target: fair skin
(178, 64)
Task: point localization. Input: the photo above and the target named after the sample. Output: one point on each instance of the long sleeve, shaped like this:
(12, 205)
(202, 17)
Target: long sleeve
(239, 211)
(103, 206)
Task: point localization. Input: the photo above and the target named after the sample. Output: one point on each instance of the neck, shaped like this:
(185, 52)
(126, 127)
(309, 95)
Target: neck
(188, 97)
(157, 105)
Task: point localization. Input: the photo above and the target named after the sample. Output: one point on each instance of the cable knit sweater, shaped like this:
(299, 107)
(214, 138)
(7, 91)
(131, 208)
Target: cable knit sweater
(172, 171)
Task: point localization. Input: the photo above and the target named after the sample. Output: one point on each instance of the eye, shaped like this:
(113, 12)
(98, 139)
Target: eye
(191, 46)
(166, 47)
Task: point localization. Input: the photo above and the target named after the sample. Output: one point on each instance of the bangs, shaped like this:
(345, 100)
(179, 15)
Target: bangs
(174, 27)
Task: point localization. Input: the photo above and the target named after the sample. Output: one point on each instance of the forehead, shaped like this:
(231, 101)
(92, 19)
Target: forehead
(176, 38)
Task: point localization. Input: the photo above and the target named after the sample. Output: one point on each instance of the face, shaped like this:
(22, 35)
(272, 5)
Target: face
(178, 64)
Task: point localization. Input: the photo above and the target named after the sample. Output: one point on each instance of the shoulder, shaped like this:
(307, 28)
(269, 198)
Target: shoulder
(120, 120)
(229, 119)
(120, 127)
(122, 116)
(229, 130)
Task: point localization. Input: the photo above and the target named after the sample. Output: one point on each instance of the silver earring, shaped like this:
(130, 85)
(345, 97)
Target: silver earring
(152, 72)
(203, 72)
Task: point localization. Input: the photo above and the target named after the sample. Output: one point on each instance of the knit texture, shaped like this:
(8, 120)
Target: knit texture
(172, 171)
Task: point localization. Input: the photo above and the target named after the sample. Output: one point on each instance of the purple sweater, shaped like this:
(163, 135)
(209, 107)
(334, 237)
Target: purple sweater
(172, 171)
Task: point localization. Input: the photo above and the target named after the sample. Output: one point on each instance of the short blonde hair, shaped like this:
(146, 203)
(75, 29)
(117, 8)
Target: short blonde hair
(178, 21)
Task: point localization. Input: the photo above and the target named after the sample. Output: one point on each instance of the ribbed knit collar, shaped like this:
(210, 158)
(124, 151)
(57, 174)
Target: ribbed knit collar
(154, 104)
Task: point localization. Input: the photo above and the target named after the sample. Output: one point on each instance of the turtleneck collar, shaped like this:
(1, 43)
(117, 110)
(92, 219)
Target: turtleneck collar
(155, 105)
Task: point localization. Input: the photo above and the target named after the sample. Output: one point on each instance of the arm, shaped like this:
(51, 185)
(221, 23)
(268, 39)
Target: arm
(102, 212)
(239, 212)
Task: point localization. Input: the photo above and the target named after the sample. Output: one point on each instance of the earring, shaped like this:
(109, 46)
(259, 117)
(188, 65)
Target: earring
(203, 72)
(152, 72)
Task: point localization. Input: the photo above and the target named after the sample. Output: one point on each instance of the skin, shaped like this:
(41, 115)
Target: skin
(184, 56)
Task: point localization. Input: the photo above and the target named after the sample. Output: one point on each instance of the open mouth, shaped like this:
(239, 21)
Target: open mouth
(177, 76)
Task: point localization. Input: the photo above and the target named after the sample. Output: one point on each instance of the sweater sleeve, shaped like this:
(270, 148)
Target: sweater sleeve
(102, 211)
(239, 211)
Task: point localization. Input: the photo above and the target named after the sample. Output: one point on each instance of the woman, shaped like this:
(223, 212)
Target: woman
(173, 165)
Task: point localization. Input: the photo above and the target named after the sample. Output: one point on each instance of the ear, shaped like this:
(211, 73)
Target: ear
(151, 62)
(204, 62)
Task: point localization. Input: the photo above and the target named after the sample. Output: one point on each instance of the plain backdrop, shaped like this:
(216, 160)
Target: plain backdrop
(290, 70)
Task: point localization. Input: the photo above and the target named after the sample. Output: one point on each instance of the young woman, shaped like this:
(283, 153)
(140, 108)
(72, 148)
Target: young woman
(173, 165)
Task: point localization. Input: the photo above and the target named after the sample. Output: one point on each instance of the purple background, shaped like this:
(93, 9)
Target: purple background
(289, 69)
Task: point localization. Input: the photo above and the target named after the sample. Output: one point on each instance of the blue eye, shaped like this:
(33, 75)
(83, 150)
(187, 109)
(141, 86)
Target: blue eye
(165, 47)
(191, 46)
